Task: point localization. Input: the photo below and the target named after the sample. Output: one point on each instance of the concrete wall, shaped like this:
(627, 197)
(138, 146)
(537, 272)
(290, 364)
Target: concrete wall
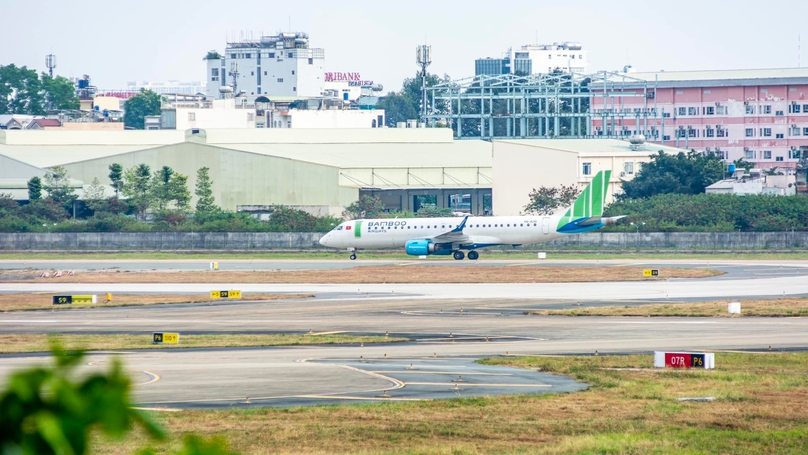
(740, 241)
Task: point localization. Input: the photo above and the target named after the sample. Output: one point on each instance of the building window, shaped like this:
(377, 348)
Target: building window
(710, 110)
(252, 73)
(666, 115)
(666, 137)
(280, 79)
(778, 158)
(682, 111)
(779, 136)
(793, 154)
(750, 109)
(794, 109)
(293, 72)
(767, 154)
(692, 111)
(805, 108)
(721, 110)
(587, 168)
(750, 154)
(192, 116)
(805, 131)
(290, 55)
(767, 132)
(710, 132)
(795, 131)
(248, 56)
(294, 89)
(767, 109)
(271, 55)
(311, 61)
(628, 167)
(214, 72)
(778, 113)
(232, 55)
(750, 132)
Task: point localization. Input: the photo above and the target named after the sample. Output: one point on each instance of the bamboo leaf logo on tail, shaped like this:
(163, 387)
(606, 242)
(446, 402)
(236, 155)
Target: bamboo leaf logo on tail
(590, 202)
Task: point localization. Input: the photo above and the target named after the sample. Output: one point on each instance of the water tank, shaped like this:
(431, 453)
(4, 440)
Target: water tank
(637, 139)
(345, 96)
(731, 168)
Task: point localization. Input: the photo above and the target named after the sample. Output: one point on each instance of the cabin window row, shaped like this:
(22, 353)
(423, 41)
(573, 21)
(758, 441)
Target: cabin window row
(443, 226)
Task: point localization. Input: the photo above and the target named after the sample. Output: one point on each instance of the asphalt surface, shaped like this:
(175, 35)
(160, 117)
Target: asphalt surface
(449, 323)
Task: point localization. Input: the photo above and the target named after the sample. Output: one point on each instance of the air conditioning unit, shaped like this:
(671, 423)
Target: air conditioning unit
(622, 174)
(717, 104)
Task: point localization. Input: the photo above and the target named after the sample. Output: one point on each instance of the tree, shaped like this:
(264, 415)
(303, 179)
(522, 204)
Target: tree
(178, 193)
(169, 190)
(137, 187)
(396, 109)
(365, 207)
(60, 191)
(683, 173)
(34, 189)
(116, 177)
(546, 200)
(741, 163)
(95, 197)
(59, 93)
(205, 203)
(139, 106)
(20, 91)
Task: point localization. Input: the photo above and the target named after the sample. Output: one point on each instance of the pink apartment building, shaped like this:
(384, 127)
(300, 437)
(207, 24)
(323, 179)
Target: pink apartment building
(758, 115)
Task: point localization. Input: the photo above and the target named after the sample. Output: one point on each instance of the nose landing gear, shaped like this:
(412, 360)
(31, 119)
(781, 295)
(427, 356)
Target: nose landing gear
(353, 253)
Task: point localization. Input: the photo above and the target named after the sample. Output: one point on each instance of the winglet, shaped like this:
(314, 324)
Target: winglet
(462, 224)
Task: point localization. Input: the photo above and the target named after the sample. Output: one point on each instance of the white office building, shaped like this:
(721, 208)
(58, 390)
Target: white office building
(168, 87)
(281, 65)
(546, 58)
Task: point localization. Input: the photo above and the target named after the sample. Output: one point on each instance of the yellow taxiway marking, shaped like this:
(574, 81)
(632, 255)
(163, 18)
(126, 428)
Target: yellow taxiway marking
(478, 385)
(459, 373)
(154, 378)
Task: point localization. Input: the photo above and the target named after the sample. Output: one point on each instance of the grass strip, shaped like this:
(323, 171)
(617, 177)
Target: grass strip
(21, 343)
(44, 301)
(785, 307)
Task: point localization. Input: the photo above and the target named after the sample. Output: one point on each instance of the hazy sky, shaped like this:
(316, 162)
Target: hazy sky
(115, 41)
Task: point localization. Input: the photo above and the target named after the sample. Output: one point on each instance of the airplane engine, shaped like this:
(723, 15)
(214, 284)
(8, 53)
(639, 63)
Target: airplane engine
(426, 247)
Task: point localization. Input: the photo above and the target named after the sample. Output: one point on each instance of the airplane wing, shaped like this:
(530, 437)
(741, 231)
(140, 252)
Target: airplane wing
(456, 235)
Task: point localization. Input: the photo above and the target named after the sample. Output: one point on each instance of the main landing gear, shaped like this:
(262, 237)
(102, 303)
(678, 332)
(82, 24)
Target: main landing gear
(353, 253)
(459, 255)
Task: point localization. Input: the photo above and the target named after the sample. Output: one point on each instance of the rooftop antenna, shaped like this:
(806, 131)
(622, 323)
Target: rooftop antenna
(50, 63)
(423, 58)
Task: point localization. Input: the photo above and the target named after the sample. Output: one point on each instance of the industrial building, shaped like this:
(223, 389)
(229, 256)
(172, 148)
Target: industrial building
(536, 59)
(324, 170)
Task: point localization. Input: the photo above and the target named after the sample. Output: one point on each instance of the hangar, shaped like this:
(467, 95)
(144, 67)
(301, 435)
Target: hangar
(322, 171)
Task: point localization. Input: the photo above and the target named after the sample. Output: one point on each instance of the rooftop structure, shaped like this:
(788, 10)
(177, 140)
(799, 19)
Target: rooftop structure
(536, 59)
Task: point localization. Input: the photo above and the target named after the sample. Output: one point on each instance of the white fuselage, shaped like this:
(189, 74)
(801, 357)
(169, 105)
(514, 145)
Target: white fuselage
(482, 231)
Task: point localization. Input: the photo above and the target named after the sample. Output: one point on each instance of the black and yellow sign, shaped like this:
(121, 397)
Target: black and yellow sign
(62, 299)
(73, 299)
(225, 294)
(653, 272)
(165, 337)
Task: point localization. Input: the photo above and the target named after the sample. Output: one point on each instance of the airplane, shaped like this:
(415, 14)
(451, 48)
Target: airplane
(451, 236)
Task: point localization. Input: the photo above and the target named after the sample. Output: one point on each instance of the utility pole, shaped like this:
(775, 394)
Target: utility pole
(423, 59)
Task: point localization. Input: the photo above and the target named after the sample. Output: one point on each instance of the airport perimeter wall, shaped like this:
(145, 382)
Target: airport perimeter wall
(187, 241)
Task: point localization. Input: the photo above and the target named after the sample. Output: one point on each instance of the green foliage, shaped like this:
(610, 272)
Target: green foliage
(44, 411)
(60, 191)
(741, 163)
(116, 177)
(682, 174)
(20, 91)
(285, 219)
(94, 197)
(59, 92)
(212, 55)
(546, 200)
(34, 189)
(365, 207)
(712, 213)
(139, 106)
(169, 190)
(431, 211)
(397, 109)
(205, 203)
(137, 187)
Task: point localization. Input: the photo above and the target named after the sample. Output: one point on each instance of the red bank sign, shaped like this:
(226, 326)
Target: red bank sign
(353, 79)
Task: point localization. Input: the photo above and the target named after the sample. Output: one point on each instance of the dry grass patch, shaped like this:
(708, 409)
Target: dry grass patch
(397, 274)
(41, 342)
(785, 307)
(44, 301)
(759, 410)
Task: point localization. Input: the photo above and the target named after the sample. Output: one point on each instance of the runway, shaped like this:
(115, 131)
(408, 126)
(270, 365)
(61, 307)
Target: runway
(447, 340)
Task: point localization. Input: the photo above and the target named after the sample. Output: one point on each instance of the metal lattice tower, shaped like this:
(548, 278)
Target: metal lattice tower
(423, 58)
(50, 63)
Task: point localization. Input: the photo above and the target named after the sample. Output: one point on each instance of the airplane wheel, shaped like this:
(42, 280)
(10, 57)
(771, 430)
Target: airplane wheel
(353, 256)
(473, 255)
(459, 255)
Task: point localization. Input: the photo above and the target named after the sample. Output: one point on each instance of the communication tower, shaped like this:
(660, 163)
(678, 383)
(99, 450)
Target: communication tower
(50, 63)
(423, 57)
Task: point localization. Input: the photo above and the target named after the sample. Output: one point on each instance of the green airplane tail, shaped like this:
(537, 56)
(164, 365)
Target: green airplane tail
(591, 201)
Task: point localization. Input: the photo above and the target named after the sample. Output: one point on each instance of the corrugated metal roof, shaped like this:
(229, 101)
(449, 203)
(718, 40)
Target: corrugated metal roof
(706, 75)
(595, 146)
(56, 155)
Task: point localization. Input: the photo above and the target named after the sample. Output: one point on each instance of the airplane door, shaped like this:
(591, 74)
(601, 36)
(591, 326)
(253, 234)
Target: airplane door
(545, 226)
